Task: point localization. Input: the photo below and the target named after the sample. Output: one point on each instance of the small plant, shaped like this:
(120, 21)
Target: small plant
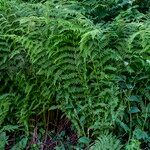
(133, 145)
(106, 142)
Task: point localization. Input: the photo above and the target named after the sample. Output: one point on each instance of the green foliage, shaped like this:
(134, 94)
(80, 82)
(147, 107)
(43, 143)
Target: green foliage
(21, 144)
(4, 137)
(3, 140)
(88, 58)
(106, 142)
(133, 145)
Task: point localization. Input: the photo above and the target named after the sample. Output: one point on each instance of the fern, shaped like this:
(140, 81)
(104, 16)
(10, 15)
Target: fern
(22, 144)
(106, 142)
(3, 140)
(77, 55)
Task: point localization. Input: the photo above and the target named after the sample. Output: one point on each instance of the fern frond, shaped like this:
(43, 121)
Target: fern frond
(107, 142)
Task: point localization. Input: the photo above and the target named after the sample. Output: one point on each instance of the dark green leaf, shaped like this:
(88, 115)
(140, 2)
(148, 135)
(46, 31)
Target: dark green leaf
(134, 110)
(84, 140)
(134, 98)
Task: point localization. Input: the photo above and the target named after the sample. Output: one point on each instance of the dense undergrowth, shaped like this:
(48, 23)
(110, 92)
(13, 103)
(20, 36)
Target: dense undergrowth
(75, 74)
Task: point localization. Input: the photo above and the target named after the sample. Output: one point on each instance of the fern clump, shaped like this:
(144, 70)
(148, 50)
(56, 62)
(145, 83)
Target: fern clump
(89, 59)
(106, 142)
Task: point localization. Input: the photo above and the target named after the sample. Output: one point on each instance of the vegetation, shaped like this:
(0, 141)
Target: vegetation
(75, 74)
